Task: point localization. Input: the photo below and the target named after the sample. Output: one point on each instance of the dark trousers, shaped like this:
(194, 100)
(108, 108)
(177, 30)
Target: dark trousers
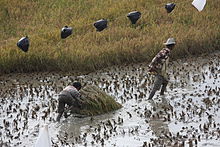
(63, 100)
(159, 81)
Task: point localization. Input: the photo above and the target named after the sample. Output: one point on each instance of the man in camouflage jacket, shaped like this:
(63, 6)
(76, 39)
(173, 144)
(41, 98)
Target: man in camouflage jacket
(159, 65)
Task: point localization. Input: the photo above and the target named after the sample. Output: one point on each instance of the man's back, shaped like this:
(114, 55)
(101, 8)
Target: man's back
(160, 61)
(70, 91)
(69, 96)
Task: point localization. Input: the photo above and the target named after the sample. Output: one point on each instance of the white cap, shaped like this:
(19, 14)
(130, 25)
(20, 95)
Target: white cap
(170, 41)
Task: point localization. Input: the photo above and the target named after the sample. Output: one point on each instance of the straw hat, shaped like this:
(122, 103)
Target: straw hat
(170, 41)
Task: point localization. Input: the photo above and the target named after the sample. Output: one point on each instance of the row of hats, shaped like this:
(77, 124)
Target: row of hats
(100, 25)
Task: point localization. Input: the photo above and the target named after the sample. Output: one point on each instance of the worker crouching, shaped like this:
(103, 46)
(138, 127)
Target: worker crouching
(71, 97)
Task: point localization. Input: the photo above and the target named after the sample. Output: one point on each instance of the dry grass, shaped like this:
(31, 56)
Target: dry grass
(96, 102)
(88, 50)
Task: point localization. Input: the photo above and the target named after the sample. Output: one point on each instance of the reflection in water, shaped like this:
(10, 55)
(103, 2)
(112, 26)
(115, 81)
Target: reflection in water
(73, 125)
(157, 123)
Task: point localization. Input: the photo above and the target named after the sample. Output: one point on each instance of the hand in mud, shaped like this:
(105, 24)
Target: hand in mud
(81, 103)
(66, 115)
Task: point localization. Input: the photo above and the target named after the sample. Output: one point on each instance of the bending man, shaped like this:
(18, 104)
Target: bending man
(70, 96)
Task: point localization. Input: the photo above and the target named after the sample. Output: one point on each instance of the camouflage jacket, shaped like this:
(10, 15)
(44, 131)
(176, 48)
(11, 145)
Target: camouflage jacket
(159, 63)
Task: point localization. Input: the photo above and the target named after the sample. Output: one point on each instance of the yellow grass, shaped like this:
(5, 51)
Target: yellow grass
(87, 50)
(96, 102)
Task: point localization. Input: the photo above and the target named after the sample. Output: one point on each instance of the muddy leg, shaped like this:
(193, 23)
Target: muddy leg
(59, 117)
(157, 85)
(70, 102)
(67, 110)
(61, 106)
(151, 94)
(164, 85)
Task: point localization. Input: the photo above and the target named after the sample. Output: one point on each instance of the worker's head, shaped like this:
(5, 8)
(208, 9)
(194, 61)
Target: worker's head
(77, 85)
(170, 43)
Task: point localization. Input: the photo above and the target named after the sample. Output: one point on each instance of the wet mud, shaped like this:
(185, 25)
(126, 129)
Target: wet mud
(188, 114)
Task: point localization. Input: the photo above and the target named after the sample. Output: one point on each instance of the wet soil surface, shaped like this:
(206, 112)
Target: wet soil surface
(188, 114)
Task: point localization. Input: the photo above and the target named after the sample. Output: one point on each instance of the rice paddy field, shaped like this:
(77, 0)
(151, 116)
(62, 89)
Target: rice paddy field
(87, 50)
(188, 115)
(116, 61)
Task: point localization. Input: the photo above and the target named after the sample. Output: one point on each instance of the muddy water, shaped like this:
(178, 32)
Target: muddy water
(187, 115)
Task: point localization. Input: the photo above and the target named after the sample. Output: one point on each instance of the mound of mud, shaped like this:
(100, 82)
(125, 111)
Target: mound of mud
(95, 102)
